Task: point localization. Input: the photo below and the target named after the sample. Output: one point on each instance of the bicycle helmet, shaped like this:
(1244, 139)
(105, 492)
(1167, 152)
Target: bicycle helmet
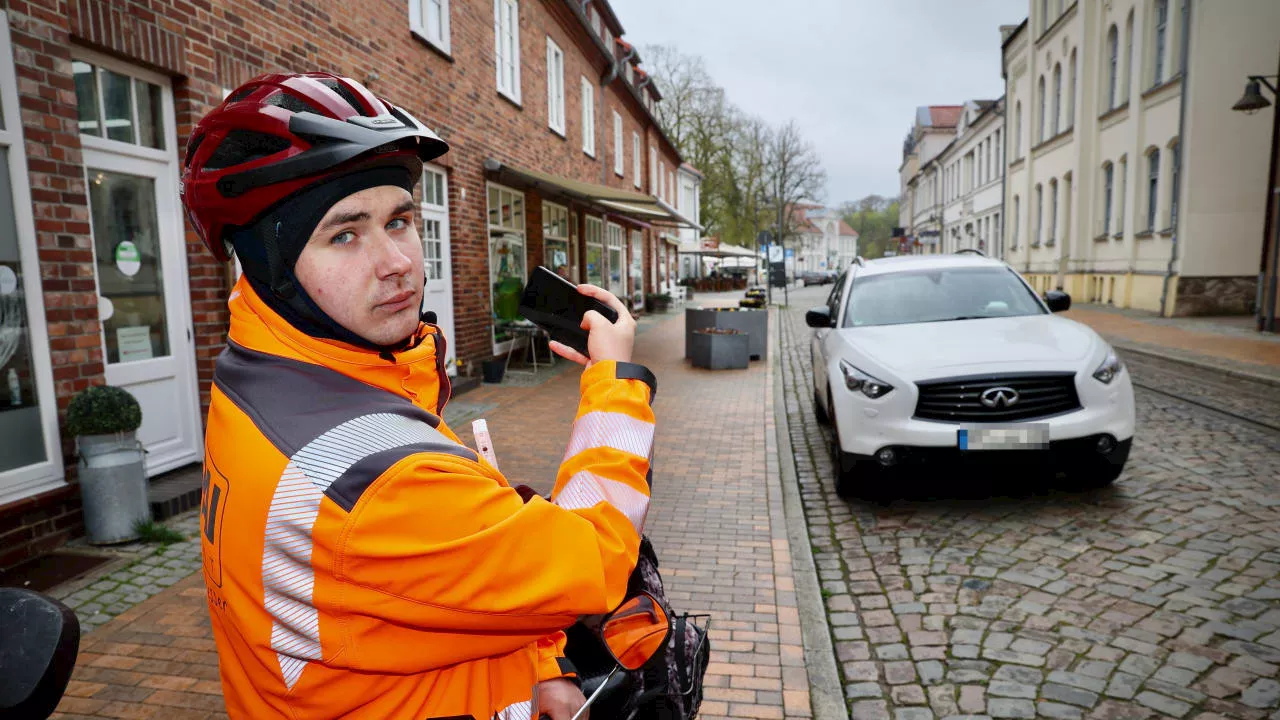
(280, 133)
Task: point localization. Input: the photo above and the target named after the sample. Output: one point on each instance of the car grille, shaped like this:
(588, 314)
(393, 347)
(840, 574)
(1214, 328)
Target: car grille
(960, 399)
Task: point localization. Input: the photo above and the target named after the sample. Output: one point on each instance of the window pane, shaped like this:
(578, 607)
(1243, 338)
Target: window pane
(495, 207)
(86, 98)
(150, 115)
(117, 105)
(127, 247)
(21, 430)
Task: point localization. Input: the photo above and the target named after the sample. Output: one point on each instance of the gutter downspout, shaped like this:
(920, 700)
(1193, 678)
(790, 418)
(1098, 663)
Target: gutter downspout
(1177, 155)
(1004, 167)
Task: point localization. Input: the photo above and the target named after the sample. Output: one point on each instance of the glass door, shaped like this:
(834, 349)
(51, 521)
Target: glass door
(614, 264)
(438, 296)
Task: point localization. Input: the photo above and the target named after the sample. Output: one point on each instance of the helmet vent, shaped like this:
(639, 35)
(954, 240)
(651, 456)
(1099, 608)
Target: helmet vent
(292, 103)
(241, 94)
(242, 146)
(192, 147)
(345, 93)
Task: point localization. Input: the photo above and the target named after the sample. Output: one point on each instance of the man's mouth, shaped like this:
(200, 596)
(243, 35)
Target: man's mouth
(397, 302)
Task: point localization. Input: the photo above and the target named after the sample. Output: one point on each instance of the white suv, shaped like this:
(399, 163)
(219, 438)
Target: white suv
(955, 360)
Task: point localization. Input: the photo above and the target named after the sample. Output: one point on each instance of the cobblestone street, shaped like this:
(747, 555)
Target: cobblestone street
(1156, 597)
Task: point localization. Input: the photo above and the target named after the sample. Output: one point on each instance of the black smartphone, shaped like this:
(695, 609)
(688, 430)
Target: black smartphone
(555, 305)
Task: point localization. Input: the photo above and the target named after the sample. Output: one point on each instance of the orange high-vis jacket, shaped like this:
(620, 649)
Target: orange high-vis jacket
(361, 562)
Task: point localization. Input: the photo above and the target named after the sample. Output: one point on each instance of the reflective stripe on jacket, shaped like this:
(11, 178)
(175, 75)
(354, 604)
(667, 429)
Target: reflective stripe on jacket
(361, 562)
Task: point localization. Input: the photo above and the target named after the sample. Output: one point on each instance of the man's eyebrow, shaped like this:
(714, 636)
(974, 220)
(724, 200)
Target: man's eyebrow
(344, 218)
(403, 207)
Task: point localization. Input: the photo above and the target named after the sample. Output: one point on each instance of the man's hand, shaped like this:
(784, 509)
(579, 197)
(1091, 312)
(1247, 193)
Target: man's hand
(605, 340)
(557, 699)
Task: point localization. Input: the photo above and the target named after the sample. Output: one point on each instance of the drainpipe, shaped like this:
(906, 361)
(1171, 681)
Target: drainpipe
(1182, 123)
(1004, 167)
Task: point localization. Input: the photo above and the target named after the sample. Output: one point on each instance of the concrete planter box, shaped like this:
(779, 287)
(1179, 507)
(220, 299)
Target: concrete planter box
(715, 351)
(755, 323)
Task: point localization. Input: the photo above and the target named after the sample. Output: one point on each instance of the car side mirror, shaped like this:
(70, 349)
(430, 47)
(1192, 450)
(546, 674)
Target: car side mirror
(1057, 301)
(819, 317)
(636, 631)
(39, 640)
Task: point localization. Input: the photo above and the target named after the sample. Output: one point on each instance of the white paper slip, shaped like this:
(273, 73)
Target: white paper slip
(484, 443)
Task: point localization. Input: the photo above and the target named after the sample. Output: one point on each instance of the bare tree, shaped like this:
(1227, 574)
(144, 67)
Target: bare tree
(795, 174)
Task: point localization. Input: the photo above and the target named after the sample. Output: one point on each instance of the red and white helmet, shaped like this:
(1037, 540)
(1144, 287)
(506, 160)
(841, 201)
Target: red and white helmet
(279, 133)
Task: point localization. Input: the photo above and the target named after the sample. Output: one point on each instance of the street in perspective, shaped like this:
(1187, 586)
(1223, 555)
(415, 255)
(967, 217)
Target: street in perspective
(956, 322)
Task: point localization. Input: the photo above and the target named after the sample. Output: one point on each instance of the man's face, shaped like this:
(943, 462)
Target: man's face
(363, 265)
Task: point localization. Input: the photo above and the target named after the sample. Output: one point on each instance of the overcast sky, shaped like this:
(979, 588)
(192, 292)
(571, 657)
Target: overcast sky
(850, 72)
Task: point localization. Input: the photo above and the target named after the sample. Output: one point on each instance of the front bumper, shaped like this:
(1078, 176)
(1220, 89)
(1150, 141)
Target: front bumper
(1060, 455)
(868, 425)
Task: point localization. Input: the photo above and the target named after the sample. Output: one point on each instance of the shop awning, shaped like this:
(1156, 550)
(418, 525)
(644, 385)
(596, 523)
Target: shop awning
(641, 207)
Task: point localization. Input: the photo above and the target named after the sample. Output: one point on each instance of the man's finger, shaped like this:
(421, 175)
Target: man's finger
(569, 353)
(605, 297)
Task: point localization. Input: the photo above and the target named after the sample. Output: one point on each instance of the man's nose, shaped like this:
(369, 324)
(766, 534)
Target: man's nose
(391, 259)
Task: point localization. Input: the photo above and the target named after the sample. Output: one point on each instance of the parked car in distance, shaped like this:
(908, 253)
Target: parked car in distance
(816, 277)
(955, 363)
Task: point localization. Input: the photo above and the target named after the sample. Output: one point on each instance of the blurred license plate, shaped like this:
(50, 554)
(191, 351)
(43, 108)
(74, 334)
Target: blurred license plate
(1010, 437)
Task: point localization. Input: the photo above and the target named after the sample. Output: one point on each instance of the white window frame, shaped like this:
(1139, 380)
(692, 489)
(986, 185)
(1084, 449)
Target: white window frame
(549, 208)
(523, 232)
(432, 210)
(588, 117)
(635, 156)
(662, 180)
(653, 171)
(419, 27)
(512, 56)
(48, 474)
(555, 87)
(619, 159)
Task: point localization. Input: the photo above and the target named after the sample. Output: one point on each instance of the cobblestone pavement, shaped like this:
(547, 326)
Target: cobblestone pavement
(1158, 597)
(143, 571)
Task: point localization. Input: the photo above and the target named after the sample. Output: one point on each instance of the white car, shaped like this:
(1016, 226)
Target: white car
(954, 361)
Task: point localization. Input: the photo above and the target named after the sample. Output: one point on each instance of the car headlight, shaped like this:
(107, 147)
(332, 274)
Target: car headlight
(855, 379)
(1109, 368)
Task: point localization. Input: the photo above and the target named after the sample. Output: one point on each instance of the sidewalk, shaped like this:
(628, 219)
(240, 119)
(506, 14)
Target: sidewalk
(1228, 344)
(716, 520)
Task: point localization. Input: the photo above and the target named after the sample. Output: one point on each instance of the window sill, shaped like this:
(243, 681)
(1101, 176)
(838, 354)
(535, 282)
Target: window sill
(1101, 238)
(558, 133)
(1143, 235)
(1154, 89)
(1061, 19)
(502, 94)
(1118, 236)
(1167, 232)
(1035, 244)
(620, 173)
(1046, 143)
(437, 49)
(1050, 243)
(1114, 111)
(589, 154)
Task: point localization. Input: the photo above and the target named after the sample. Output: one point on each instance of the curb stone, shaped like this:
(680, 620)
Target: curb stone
(824, 679)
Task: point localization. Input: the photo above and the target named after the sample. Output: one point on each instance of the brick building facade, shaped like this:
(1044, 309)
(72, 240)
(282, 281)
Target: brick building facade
(99, 97)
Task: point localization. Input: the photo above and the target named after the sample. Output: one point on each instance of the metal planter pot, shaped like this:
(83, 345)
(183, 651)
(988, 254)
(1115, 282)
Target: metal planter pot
(755, 323)
(113, 487)
(715, 351)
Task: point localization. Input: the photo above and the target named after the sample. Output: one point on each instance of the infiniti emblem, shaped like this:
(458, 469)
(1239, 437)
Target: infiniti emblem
(999, 397)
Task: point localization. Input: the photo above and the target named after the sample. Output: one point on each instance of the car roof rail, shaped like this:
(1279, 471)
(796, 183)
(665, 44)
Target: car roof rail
(859, 261)
(975, 251)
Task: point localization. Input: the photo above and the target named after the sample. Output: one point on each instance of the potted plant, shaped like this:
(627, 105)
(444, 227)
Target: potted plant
(657, 302)
(113, 478)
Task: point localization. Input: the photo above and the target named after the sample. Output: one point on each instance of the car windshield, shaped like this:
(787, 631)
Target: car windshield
(938, 295)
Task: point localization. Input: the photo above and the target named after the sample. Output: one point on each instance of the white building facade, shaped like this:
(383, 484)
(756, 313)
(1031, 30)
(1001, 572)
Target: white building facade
(1130, 181)
(972, 171)
(922, 192)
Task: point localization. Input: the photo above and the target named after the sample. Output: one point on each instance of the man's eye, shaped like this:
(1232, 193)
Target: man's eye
(343, 238)
(398, 224)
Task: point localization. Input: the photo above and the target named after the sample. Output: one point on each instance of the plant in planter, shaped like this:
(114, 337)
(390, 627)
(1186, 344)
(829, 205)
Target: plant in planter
(657, 302)
(113, 478)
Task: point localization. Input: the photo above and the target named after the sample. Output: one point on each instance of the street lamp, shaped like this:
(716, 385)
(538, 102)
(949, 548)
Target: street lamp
(1253, 99)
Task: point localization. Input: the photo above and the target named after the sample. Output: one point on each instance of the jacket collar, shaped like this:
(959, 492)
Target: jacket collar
(413, 374)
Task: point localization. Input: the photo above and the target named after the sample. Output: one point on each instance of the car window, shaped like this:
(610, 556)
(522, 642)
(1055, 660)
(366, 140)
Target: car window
(833, 300)
(939, 295)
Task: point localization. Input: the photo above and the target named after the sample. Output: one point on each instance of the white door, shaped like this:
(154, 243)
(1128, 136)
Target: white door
(637, 270)
(131, 172)
(438, 297)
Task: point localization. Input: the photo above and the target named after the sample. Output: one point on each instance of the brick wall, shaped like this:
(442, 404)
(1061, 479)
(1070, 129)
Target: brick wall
(208, 45)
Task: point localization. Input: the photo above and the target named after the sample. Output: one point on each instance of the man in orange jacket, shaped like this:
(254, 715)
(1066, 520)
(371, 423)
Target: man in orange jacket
(360, 561)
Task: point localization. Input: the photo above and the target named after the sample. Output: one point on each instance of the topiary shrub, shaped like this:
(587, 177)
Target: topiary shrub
(101, 410)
